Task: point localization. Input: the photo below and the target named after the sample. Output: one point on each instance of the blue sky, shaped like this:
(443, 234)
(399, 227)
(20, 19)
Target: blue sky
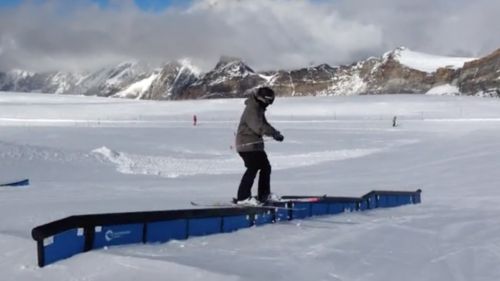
(9, 3)
(145, 5)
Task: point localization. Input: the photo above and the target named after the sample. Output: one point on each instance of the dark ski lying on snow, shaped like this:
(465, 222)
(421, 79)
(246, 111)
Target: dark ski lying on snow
(17, 183)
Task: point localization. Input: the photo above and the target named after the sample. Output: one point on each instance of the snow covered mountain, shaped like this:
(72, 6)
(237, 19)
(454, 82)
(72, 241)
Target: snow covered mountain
(231, 77)
(482, 76)
(110, 81)
(171, 81)
(104, 82)
(398, 71)
(395, 72)
(25, 81)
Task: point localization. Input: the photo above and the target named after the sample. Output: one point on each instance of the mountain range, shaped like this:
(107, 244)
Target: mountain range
(398, 71)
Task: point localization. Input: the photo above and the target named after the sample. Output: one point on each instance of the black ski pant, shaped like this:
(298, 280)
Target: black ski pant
(255, 161)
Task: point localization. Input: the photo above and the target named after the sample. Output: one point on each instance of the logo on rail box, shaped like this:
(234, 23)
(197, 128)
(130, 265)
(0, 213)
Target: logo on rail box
(111, 235)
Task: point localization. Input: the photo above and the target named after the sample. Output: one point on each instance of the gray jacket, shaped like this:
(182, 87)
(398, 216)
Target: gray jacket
(253, 125)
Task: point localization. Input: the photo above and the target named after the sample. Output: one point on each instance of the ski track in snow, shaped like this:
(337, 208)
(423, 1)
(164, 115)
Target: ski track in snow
(173, 167)
(10, 151)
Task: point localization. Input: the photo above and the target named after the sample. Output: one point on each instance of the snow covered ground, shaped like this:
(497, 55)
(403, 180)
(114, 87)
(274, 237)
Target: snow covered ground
(94, 155)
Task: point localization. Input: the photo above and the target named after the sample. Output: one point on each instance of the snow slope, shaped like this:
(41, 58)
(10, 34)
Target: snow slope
(94, 155)
(427, 62)
(445, 89)
(137, 89)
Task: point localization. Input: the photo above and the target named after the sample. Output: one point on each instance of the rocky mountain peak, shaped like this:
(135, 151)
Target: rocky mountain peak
(172, 79)
(398, 71)
(232, 66)
(395, 54)
(482, 76)
(227, 60)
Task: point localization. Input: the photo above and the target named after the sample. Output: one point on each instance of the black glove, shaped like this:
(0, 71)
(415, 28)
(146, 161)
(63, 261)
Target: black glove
(278, 136)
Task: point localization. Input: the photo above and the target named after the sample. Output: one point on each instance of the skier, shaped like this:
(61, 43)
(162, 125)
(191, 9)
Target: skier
(250, 146)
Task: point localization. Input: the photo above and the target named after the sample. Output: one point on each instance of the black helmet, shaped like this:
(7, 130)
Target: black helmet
(265, 95)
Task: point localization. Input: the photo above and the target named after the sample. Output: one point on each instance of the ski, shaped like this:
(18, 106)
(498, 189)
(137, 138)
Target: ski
(305, 199)
(234, 205)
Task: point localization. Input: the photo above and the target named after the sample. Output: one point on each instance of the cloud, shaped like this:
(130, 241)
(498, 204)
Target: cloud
(76, 35)
(448, 27)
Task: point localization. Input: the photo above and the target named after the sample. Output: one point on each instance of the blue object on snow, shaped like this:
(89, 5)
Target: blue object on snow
(233, 223)
(204, 226)
(62, 245)
(17, 183)
(76, 234)
(117, 235)
(164, 231)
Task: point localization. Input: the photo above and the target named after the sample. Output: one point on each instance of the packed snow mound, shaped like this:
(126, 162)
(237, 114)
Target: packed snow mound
(106, 152)
(427, 62)
(173, 167)
(445, 89)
